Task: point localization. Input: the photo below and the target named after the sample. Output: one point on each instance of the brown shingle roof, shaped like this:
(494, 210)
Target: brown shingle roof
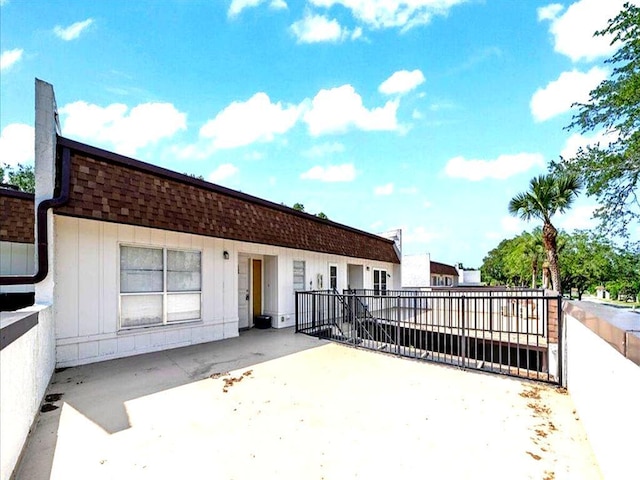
(443, 269)
(109, 187)
(16, 216)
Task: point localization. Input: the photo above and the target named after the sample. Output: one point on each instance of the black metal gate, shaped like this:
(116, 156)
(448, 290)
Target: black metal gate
(507, 331)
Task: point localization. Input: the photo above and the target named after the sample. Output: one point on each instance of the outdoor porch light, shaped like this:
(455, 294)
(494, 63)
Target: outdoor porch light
(225, 254)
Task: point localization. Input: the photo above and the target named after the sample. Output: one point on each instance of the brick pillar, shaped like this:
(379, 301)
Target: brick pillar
(552, 311)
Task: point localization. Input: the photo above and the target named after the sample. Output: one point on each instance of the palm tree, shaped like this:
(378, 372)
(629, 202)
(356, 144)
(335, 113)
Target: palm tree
(547, 195)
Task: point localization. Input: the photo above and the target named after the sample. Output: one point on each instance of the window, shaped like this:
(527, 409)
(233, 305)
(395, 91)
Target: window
(448, 281)
(298, 275)
(333, 277)
(379, 282)
(434, 280)
(158, 286)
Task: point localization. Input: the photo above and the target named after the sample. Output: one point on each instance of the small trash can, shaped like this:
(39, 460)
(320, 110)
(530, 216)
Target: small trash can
(262, 321)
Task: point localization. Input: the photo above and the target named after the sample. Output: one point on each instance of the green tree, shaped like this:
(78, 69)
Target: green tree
(611, 172)
(22, 176)
(322, 215)
(587, 261)
(625, 277)
(497, 268)
(547, 195)
(299, 207)
(533, 250)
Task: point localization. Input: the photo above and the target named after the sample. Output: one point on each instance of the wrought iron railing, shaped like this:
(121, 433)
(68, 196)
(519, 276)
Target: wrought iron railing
(508, 331)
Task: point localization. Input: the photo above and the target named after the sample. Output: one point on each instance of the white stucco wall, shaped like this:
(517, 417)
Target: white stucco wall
(605, 387)
(416, 271)
(16, 259)
(87, 288)
(26, 366)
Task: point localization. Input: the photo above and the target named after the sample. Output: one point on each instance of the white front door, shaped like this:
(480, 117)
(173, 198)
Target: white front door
(243, 291)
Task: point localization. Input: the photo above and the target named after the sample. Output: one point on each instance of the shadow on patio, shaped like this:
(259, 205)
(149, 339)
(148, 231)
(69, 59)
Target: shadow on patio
(301, 408)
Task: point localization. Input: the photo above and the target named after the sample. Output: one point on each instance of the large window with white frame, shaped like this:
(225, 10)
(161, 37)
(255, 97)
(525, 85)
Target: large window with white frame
(379, 282)
(159, 286)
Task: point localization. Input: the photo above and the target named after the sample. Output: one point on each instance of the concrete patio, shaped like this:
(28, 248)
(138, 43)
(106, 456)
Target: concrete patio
(275, 404)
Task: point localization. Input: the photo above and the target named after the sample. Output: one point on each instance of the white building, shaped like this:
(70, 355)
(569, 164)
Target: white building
(419, 271)
(143, 259)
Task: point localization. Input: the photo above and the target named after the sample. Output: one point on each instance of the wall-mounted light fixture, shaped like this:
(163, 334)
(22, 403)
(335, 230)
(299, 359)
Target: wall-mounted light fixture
(368, 268)
(225, 254)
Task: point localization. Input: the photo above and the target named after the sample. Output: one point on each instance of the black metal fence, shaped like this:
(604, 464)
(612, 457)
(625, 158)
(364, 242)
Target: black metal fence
(508, 331)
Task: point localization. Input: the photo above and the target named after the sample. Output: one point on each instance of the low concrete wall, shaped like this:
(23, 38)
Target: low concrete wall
(603, 380)
(27, 361)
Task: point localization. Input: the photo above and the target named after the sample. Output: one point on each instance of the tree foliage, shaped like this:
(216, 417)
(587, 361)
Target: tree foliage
(587, 260)
(300, 208)
(612, 172)
(547, 195)
(21, 176)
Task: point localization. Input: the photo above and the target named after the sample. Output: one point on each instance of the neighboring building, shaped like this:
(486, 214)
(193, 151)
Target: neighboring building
(144, 259)
(468, 277)
(419, 271)
(443, 275)
(16, 245)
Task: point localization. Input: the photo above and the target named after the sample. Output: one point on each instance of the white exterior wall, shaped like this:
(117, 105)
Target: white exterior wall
(16, 259)
(605, 388)
(26, 366)
(416, 271)
(87, 288)
(469, 277)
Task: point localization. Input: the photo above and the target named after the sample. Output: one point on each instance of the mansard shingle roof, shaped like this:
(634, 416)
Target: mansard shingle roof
(16, 216)
(109, 187)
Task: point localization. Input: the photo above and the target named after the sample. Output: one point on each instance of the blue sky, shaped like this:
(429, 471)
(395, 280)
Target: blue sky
(428, 115)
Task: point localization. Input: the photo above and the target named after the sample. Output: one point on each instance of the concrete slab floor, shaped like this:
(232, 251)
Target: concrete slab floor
(273, 404)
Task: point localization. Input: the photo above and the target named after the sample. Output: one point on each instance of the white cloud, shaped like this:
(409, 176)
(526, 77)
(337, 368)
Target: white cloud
(253, 156)
(126, 129)
(403, 14)
(558, 96)
(72, 31)
(509, 227)
(418, 235)
(223, 172)
(278, 5)
(402, 81)
(337, 109)
(386, 189)
(577, 141)
(549, 12)
(256, 120)
(416, 115)
(318, 28)
(332, 173)
(573, 30)
(10, 58)
(238, 5)
(427, 204)
(578, 218)
(409, 190)
(501, 168)
(324, 149)
(17, 144)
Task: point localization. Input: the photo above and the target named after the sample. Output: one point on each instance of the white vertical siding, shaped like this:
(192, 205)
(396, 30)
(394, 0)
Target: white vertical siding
(16, 259)
(87, 296)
